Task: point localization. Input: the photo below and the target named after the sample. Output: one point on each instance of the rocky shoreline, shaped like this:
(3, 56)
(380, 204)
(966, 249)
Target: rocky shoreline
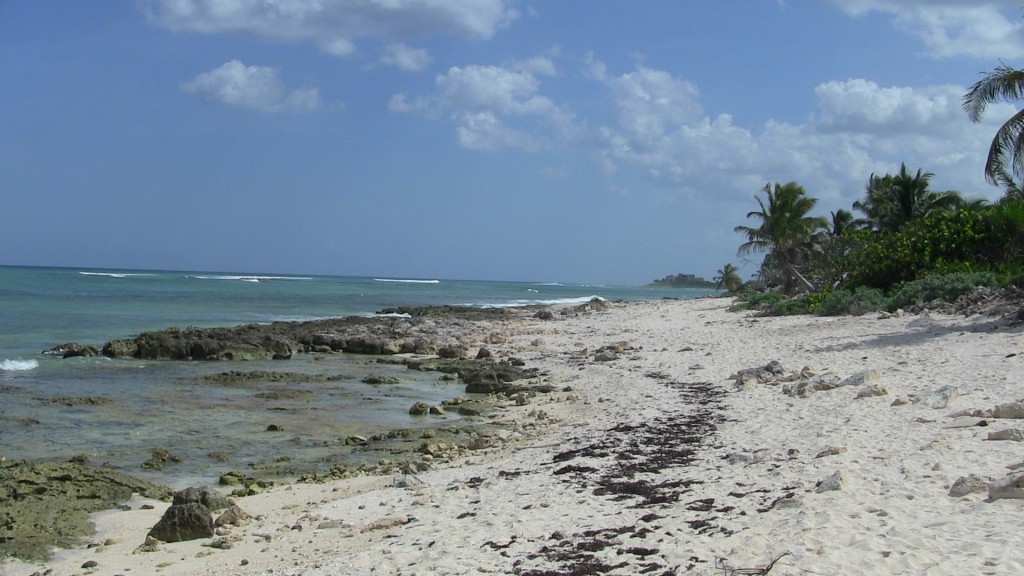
(449, 340)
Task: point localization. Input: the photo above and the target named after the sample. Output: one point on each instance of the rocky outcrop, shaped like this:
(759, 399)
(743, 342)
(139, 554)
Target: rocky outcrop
(48, 504)
(434, 331)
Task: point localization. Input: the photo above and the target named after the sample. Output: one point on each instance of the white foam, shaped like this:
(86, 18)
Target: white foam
(113, 274)
(247, 278)
(18, 365)
(406, 281)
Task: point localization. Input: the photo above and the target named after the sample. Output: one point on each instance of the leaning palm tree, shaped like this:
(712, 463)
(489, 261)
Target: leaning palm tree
(1012, 190)
(728, 277)
(784, 232)
(1006, 154)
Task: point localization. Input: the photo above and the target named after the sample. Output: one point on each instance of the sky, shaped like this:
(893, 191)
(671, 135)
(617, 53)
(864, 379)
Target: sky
(583, 141)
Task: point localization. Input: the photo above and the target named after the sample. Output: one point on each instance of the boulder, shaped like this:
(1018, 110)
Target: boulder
(212, 499)
(183, 522)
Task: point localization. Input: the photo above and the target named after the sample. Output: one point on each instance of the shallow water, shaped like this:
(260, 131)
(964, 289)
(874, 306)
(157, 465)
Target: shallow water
(117, 412)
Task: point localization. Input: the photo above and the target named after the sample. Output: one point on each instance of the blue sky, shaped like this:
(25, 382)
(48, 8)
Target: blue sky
(574, 141)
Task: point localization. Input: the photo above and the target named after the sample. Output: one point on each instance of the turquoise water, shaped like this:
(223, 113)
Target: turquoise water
(136, 406)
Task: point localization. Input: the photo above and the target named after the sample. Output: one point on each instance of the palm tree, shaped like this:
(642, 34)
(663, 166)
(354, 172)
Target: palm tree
(1012, 190)
(1006, 154)
(893, 200)
(785, 232)
(729, 277)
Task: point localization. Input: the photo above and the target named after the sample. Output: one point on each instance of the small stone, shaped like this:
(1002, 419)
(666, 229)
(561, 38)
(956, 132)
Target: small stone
(90, 564)
(1011, 434)
(419, 409)
(965, 485)
(831, 483)
(436, 410)
(833, 451)
(861, 378)
(871, 391)
(1010, 486)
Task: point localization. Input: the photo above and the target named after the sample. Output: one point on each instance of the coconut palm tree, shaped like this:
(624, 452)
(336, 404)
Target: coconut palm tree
(894, 199)
(1006, 154)
(784, 232)
(1012, 190)
(729, 277)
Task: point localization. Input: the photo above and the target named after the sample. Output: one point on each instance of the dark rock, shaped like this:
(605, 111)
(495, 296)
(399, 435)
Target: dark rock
(483, 353)
(212, 499)
(419, 409)
(544, 315)
(183, 522)
(451, 352)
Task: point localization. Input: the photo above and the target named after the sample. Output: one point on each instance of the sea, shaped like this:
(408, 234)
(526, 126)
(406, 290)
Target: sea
(122, 413)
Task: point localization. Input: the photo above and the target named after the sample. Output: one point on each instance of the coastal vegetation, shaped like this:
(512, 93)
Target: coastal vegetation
(682, 281)
(909, 245)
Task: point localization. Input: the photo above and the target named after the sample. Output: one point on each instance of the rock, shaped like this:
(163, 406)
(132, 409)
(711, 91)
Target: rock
(965, 485)
(1010, 486)
(234, 516)
(1010, 410)
(900, 402)
(47, 505)
(544, 315)
(831, 483)
(861, 378)
(805, 388)
(834, 451)
(451, 352)
(212, 499)
(871, 391)
(1011, 434)
(605, 356)
(375, 379)
(483, 353)
(419, 409)
(182, 522)
(940, 398)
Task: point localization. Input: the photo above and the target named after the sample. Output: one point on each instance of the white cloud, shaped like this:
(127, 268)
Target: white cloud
(662, 135)
(978, 28)
(252, 87)
(405, 58)
(492, 107)
(333, 25)
(859, 105)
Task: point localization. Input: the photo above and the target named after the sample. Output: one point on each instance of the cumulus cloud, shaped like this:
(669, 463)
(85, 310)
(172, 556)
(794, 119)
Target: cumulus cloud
(662, 134)
(333, 25)
(251, 87)
(492, 106)
(989, 29)
(405, 58)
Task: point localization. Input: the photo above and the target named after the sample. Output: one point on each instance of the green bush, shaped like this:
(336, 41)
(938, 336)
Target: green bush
(935, 287)
(856, 302)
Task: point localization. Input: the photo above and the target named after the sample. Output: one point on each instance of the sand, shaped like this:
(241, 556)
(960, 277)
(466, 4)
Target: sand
(656, 462)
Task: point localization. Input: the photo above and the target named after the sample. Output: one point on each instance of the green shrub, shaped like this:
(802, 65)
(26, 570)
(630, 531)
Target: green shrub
(935, 287)
(856, 302)
(790, 307)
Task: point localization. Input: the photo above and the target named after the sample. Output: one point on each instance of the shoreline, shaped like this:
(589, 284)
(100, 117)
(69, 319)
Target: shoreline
(656, 460)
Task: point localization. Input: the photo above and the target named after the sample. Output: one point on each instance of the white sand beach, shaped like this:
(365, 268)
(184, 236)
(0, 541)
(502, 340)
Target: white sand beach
(657, 462)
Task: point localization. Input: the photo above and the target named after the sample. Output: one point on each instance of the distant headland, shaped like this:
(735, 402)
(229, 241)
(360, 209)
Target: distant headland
(682, 281)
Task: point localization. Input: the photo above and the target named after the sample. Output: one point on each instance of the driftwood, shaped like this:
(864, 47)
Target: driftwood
(721, 564)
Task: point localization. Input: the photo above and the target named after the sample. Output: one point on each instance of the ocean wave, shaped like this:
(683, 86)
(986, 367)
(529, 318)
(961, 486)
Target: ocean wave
(519, 303)
(18, 365)
(114, 274)
(404, 281)
(245, 277)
